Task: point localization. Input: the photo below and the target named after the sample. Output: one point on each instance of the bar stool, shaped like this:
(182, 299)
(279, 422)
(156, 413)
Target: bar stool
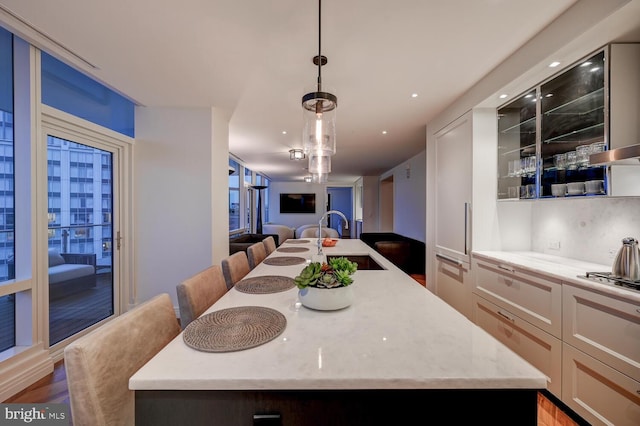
(256, 254)
(198, 292)
(269, 245)
(235, 267)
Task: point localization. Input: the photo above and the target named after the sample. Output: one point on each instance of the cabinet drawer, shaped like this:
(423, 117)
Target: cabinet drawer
(598, 393)
(604, 327)
(539, 348)
(533, 298)
(454, 287)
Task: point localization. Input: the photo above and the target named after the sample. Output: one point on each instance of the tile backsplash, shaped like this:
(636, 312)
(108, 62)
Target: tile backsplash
(589, 228)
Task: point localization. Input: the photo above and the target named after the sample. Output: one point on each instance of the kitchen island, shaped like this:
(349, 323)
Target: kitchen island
(396, 354)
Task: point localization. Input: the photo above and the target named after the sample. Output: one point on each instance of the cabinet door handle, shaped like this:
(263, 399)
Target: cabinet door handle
(502, 314)
(466, 228)
(448, 259)
(506, 268)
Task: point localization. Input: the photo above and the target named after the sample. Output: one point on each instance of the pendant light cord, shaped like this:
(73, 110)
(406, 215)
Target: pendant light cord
(319, 45)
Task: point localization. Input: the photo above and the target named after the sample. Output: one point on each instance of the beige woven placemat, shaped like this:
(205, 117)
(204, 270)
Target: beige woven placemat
(292, 241)
(284, 260)
(292, 249)
(265, 284)
(234, 329)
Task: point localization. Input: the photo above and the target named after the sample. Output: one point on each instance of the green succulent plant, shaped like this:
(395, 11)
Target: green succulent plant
(337, 273)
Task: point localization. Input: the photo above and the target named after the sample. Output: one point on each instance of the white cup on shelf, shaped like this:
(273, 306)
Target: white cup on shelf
(559, 189)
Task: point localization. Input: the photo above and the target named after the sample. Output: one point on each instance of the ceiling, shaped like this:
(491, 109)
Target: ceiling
(252, 60)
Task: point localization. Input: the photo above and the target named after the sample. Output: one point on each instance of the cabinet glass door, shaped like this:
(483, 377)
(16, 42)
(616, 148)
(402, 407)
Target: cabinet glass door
(572, 109)
(517, 157)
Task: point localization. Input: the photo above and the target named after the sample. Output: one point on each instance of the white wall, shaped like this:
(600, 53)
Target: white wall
(175, 169)
(409, 194)
(294, 220)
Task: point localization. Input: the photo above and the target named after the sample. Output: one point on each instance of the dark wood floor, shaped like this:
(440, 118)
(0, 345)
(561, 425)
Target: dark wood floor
(53, 388)
(75, 312)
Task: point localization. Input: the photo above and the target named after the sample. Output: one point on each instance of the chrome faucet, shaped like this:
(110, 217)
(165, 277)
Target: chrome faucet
(346, 226)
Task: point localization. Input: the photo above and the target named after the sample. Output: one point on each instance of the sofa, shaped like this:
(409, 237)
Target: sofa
(406, 253)
(243, 241)
(70, 273)
(284, 232)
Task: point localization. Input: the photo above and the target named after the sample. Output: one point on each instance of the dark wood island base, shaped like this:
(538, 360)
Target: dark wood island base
(337, 407)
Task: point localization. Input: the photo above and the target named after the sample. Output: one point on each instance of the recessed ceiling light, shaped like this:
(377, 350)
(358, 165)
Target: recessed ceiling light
(414, 95)
(504, 95)
(284, 132)
(384, 132)
(554, 64)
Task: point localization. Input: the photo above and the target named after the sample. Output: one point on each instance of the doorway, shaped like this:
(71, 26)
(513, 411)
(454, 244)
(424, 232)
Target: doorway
(82, 229)
(341, 199)
(386, 204)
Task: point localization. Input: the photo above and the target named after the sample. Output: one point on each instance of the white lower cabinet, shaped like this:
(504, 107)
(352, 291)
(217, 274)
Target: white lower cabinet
(601, 356)
(597, 392)
(605, 327)
(453, 285)
(533, 297)
(539, 348)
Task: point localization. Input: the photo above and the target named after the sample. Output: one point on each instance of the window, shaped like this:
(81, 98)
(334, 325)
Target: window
(7, 225)
(234, 196)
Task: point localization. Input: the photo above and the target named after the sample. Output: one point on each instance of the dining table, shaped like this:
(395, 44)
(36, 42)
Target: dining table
(397, 353)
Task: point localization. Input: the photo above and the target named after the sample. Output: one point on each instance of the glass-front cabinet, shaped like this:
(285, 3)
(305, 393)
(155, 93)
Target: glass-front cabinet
(572, 127)
(517, 148)
(545, 136)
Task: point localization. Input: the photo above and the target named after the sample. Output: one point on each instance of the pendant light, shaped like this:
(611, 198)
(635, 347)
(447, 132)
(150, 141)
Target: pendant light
(319, 110)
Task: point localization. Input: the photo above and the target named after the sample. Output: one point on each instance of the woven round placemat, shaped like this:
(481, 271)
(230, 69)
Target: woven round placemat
(234, 329)
(265, 284)
(292, 249)
(292, 241)
(284, 260)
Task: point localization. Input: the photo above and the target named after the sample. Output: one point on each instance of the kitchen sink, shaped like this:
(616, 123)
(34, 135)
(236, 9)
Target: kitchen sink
(364, 261)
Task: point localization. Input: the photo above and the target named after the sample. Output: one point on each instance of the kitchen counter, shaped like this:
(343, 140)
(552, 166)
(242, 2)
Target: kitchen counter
(565, 269)
(395, 336)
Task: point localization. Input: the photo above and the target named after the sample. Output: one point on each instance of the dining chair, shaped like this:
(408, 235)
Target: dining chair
(235, 267)
(269, 245)
(256, 254)
(198, 292)
(99, 364)
(326, 233)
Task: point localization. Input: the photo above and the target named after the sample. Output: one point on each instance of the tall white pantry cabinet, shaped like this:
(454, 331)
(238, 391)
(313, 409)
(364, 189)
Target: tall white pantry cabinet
(465, 152)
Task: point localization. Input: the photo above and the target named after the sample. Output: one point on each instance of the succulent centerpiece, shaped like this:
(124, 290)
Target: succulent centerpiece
(326, 286)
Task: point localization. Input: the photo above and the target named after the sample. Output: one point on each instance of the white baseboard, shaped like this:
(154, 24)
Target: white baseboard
(24, 369)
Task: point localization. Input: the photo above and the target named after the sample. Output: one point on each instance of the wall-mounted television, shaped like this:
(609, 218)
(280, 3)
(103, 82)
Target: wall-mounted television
(297, 203)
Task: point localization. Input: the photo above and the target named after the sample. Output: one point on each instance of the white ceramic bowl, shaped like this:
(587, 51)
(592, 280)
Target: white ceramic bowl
(575, 188)
(594, 186)
(559, 189)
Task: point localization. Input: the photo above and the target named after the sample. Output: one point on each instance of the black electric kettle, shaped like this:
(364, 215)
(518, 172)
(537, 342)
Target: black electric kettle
(627, 262)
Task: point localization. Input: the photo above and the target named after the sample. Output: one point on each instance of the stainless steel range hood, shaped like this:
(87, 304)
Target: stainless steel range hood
(624, 155)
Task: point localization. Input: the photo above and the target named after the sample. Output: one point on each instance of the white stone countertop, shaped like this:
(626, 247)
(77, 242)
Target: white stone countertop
(396, 335)
(565, 269)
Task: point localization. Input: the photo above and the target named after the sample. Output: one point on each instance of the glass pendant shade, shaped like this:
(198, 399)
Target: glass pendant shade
(319, 178)
(319, 164)
(319, 123)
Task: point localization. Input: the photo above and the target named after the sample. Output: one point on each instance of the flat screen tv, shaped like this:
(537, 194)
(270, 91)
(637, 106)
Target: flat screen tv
(297, 203)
